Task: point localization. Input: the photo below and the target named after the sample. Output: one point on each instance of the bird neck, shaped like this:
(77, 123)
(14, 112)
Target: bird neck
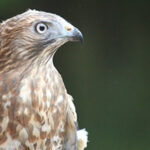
(34, 78)
(45, 81)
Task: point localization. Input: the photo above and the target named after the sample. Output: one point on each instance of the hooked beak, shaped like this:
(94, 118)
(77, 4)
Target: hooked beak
(65, 32)
(77, 35)
(74, 34)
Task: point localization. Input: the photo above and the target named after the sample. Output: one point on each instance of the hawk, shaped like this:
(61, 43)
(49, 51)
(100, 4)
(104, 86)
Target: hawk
(36, 112)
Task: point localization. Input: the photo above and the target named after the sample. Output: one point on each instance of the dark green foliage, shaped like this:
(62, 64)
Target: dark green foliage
(108, 76)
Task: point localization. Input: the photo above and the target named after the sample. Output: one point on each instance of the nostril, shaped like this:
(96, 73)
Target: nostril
(68, 28)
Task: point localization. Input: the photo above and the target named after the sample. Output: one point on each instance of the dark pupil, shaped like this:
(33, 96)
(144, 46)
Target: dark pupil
(42, 28)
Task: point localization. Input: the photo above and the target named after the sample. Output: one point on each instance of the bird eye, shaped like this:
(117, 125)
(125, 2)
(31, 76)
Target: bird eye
(41, 28)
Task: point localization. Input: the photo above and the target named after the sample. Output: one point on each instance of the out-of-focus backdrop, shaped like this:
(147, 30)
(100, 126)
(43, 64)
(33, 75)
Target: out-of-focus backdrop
(109, 75)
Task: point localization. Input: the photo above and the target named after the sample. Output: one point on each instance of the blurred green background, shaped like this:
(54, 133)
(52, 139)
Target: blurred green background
(109, 75)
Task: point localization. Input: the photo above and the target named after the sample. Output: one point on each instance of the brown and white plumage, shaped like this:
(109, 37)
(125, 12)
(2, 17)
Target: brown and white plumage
(36, 112)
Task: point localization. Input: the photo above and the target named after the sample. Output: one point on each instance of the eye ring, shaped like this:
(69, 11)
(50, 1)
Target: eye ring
(41, 28)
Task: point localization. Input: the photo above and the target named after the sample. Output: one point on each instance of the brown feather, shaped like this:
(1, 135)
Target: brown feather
(35, 110)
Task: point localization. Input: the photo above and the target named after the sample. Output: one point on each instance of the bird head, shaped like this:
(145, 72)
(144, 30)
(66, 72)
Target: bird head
(34, 35)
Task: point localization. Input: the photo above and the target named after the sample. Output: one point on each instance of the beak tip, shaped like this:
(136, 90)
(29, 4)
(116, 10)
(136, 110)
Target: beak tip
(81, 39)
